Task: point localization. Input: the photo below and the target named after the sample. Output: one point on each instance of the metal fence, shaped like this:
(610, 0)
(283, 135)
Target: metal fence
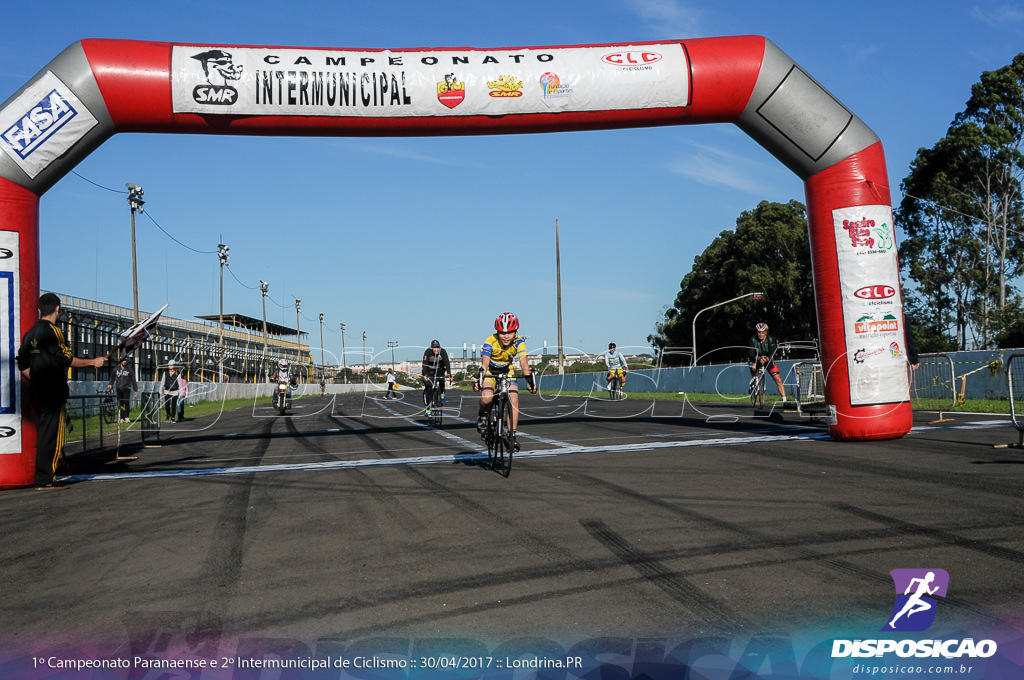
(933, 384)
(809, 390)
(1015, 386)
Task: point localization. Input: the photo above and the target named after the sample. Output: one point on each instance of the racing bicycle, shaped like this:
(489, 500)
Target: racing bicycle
(757, 388)
(435, 401)
(615, 386)
(759, 380)
(108, 405)
(501, 442)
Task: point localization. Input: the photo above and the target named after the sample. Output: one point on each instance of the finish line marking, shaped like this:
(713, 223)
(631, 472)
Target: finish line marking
(446, 459)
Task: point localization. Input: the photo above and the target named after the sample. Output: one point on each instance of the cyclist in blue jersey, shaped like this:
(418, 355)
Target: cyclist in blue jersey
(616, 364)
(496, 356)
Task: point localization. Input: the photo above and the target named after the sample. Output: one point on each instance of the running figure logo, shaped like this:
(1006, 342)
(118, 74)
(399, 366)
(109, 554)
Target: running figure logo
(915, 609)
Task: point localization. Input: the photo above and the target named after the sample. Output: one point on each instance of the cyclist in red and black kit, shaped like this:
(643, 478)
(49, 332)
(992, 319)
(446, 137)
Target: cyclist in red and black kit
(762, 347)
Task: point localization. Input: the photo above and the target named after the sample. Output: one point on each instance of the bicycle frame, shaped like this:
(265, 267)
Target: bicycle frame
(499, 425)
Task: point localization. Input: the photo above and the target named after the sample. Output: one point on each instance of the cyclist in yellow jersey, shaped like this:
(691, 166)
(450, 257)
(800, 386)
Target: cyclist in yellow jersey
(496, 357)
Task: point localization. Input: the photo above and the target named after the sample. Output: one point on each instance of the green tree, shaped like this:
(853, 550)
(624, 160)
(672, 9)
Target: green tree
(941, 253)
(767, 252)
(962, 212)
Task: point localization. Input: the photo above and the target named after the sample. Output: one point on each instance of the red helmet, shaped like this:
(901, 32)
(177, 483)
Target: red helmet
(506, 322)
(761, 327)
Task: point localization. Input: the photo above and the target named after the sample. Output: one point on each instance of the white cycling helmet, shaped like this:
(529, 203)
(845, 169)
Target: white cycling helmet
(282, 364)
(761, 327)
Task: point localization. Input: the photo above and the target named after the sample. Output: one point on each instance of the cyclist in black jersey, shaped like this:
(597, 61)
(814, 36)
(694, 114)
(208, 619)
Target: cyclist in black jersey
(435, 370)
(762, 347)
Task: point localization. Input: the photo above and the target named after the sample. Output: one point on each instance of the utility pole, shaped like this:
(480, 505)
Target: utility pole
(558, 286)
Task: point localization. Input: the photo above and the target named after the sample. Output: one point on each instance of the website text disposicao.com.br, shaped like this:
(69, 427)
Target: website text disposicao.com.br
(952, 657)
(910, 670)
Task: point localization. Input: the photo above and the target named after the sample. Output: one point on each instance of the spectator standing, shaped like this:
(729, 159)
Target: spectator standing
(181, 397)
(44, 359)
(171, 385)
(390, 380)
(123, 382)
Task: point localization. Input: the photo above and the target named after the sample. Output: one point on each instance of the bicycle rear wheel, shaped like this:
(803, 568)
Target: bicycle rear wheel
(490, 436)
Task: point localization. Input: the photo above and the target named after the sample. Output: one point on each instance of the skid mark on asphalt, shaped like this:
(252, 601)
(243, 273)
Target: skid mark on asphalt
(706, 608)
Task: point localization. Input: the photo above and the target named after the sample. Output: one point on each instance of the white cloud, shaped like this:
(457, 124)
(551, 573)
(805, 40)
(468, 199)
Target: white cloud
(409, 155)
(713, 166)
(670, 18)
(999, 16)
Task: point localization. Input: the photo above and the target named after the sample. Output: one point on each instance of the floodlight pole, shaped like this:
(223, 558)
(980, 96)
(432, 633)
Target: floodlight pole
(264, 287)
(392, 344)
(323, 367)
(222, 255)
(135, 202)
(344, 367)
(693, 328)
(298, 332)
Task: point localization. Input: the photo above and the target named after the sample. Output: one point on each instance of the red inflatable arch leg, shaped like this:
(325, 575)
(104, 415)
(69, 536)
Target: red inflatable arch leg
(856, 285)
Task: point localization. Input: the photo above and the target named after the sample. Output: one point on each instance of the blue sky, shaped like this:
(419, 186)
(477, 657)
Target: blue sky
(414, 239)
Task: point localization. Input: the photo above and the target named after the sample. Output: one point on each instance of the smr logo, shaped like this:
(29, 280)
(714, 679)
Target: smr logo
(915, 608)
(7, 432)
(218, 69)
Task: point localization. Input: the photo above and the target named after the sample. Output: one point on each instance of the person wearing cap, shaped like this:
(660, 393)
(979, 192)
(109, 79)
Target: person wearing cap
(761, 348)
(616, 364)
(436, 369)
(122, 381)
(43, 360)
(171, 385)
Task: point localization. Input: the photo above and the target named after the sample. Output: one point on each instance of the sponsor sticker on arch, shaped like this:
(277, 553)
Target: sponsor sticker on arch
(872, 306)
(10, 332)
(42, 123)
(417, 83)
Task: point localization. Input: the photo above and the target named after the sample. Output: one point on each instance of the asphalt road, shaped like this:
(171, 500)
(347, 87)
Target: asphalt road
(351, 525)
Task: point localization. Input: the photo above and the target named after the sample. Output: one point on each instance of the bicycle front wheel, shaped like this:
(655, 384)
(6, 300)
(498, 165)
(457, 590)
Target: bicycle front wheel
(109, 410)
(503, 438)
(757, 393)
(436, 405)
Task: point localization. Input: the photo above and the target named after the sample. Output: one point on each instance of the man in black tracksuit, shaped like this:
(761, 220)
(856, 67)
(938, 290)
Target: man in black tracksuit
(44, 359)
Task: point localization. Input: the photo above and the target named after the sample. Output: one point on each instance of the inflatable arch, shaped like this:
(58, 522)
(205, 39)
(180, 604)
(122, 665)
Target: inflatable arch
(96, 88)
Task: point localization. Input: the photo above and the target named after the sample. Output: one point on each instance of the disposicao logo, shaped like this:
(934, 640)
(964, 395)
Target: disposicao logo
(915, 605)
(913, 611)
